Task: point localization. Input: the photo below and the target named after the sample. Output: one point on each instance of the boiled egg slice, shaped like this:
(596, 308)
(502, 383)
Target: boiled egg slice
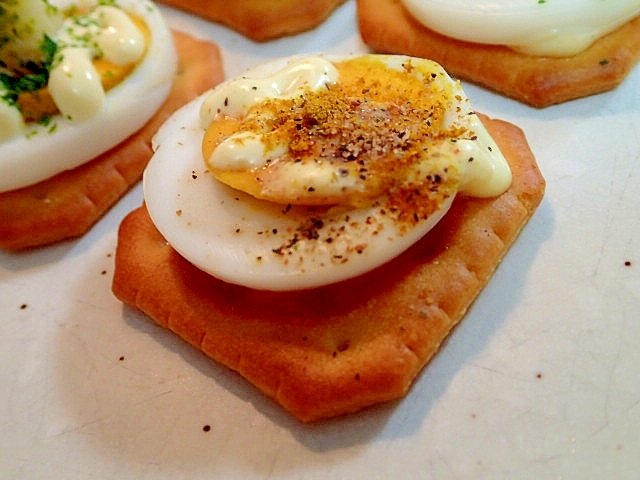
(42, 151)
(270, 245)
(537, 27)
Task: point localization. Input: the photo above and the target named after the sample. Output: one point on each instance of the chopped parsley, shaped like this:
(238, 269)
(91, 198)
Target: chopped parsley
(36, 77)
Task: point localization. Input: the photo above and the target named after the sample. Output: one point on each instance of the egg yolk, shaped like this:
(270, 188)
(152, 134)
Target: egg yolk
(38, 104)
(377, 131)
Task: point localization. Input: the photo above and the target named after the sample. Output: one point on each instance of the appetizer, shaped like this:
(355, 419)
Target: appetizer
(82, 89)
(327, 224)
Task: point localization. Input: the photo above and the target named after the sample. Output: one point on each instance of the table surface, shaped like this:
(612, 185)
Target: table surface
(540, 380)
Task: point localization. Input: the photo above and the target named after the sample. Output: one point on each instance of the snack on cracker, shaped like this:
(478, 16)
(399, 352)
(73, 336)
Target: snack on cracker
(298, 297)
(49, 191)
(536, 79)
(261, 20)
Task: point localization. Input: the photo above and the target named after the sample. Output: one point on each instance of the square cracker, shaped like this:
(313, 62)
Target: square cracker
(386, 26)
(335, 349)
(261, 20)
(68, 204)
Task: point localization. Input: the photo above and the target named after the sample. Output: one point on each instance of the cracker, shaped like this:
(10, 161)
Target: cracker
(68, 204)
(387, 27)
(261, 20)
(340, 348)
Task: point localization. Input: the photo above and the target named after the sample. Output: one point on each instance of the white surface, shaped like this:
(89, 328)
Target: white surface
(541, 379)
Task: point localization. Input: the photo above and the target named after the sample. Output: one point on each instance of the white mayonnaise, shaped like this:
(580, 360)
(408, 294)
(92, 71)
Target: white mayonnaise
(74, 83)
(247, 149)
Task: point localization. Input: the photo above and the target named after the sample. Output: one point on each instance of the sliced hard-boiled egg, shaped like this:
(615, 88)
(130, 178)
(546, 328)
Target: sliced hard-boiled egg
(537, 27)
(39, 150)
(235, 231)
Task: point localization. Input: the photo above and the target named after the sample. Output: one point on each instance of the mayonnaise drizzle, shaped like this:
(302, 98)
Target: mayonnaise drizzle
(484, 170)
(537, 27)
(74, 83)
(237, 96)
(246, 149)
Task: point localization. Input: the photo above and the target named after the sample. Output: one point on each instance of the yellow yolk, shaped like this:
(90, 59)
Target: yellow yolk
(39, 104)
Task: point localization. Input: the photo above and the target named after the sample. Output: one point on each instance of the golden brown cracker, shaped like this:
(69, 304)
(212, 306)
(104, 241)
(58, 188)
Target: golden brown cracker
(68, 204)
(340, 348)
(386, 26)
(261, 20)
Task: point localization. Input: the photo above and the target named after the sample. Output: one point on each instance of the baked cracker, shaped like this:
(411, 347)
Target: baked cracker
(335, 349)
(261, 20)
(68, 204)
(386, 26)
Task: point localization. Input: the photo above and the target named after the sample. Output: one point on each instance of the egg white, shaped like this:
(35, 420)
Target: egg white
(42, 151)
(563, 26)
(236, 237)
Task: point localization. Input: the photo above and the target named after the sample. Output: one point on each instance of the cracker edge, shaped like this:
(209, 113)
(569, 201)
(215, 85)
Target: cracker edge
(261, 20)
